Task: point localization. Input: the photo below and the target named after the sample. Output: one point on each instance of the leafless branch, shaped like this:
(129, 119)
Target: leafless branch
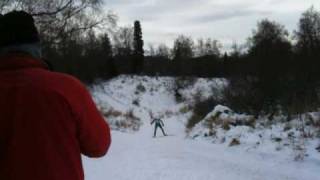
(62, 8)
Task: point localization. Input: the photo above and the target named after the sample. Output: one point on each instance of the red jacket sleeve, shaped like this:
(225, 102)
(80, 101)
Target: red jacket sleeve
(93, 131)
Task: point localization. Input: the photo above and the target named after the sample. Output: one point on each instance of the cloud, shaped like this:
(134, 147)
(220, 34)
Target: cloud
(226, 15)
(225, 20)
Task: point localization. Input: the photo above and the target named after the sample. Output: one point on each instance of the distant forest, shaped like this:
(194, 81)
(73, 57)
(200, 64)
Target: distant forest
(273, 67)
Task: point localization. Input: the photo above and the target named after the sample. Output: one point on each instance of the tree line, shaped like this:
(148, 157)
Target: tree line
(274, 67)
(277, 73)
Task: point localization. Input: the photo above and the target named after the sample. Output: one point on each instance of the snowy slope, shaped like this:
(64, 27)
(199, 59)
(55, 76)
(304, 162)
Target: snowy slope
(140, 157)
(135, 155)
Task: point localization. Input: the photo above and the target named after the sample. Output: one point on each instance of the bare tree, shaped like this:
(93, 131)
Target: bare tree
(151, 51)
(308, 33)
(123, 41)
(4, 4)
(208, 47)
(183, 48)
(163, 51)
(60, 19)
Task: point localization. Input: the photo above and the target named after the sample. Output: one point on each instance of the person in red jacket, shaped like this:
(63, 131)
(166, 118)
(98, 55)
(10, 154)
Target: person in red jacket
(47, 119)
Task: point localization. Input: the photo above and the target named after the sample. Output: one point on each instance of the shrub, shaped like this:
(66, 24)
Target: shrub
(200, 110)
(242, 96)
(234, 142)
(180, 84)
(185, 109)
(122, 121)
(112, 113)
(211, 133)
(226, 126)
(140, 88)
(136, 102)
(195, 118)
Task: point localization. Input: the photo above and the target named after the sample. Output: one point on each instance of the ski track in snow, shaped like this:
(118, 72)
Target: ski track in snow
(138, 156)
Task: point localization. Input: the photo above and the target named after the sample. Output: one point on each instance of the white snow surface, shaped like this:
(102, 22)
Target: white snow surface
(136, 155)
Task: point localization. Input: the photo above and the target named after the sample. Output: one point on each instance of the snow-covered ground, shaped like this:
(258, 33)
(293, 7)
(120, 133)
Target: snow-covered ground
(136, 155)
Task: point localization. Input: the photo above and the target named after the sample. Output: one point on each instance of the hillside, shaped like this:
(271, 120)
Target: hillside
(262, 153)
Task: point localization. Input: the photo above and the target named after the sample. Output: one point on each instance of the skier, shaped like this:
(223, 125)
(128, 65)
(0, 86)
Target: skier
(158, 123)
(47, 119)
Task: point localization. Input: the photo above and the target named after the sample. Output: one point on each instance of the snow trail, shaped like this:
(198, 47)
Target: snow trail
(139, 156)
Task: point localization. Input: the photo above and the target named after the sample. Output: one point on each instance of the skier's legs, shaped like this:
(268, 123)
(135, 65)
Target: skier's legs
(155, 131)
(163, 131)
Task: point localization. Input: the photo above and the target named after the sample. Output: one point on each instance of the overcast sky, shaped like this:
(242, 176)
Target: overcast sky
(226, 20)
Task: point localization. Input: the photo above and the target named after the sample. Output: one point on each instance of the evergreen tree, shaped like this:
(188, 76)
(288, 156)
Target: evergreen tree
(110, 67)
(138, 48)
(106, 45)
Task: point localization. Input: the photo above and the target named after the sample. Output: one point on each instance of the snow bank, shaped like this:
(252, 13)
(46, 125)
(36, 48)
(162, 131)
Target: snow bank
(223, 126)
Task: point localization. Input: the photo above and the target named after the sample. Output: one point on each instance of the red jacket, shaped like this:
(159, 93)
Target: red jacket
(47, 120)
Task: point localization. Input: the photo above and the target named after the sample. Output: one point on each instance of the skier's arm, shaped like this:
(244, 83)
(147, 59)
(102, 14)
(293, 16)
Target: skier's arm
(152, 121)
(93, 131)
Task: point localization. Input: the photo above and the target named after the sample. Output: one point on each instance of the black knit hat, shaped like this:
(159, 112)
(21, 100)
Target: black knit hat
(17, 27)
